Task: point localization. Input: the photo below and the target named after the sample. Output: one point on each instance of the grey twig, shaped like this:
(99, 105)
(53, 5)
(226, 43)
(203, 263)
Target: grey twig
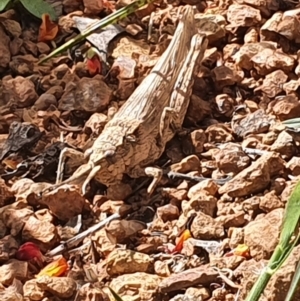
(74, 241)
(172, 175)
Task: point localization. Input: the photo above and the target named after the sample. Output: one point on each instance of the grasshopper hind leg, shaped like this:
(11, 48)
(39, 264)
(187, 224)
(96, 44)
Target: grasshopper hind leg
(88, 179)
(67, 152)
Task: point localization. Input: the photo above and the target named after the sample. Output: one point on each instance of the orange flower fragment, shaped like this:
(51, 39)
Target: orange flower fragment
(54, 269)
(30, 252)
(48, 29)
(183, 237)
(240, 250)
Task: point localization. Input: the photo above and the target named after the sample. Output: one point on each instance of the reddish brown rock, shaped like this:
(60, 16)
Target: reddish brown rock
(126, 261)
(137, 284)
(233, 220)
(231, 159)
(254, 178)
(198, 138)
(212, 25)
(219, 133)
(43, 233)
(23, 64)
(190, 163)
(286, 107)
(205, 227)
(243, 15)
(93, 7)
(13, 269)
(270, 201)
(4, 50)
(262, 234)
(201, 201)
(224, 76)
(8, 246)
(90, 95)
(19, 91)
(45, 101)
(282, 23)
(192, 277)
(284, 145)
(244, 56)
(168, 212)
(273, 83)
(224, 104)
(294, 166)
(61, 287)
(269, 60)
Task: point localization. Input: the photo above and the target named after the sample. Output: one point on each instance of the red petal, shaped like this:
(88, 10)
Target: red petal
(30, 252)
(93, 65)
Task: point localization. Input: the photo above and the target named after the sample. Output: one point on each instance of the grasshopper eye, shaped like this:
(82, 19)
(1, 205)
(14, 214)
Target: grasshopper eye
(109, 153)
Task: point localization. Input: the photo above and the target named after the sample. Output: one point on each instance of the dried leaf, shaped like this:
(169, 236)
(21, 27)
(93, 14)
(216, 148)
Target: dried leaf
(48, 29)
(54, 269)
(30, 252)
(38, 8)
(183, 237)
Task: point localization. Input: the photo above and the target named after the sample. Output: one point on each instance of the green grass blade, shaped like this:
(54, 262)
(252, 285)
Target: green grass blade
(284, 247)
(259, 286)
(111, 19)
(291, 218)
(38, 8)
(3, 4)
(295, 282)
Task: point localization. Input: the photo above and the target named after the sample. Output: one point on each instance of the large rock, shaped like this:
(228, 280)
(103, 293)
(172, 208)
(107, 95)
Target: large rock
(88, 94)
(262, 234)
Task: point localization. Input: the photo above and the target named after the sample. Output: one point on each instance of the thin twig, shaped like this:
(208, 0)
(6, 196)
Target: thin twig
(74, 241)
